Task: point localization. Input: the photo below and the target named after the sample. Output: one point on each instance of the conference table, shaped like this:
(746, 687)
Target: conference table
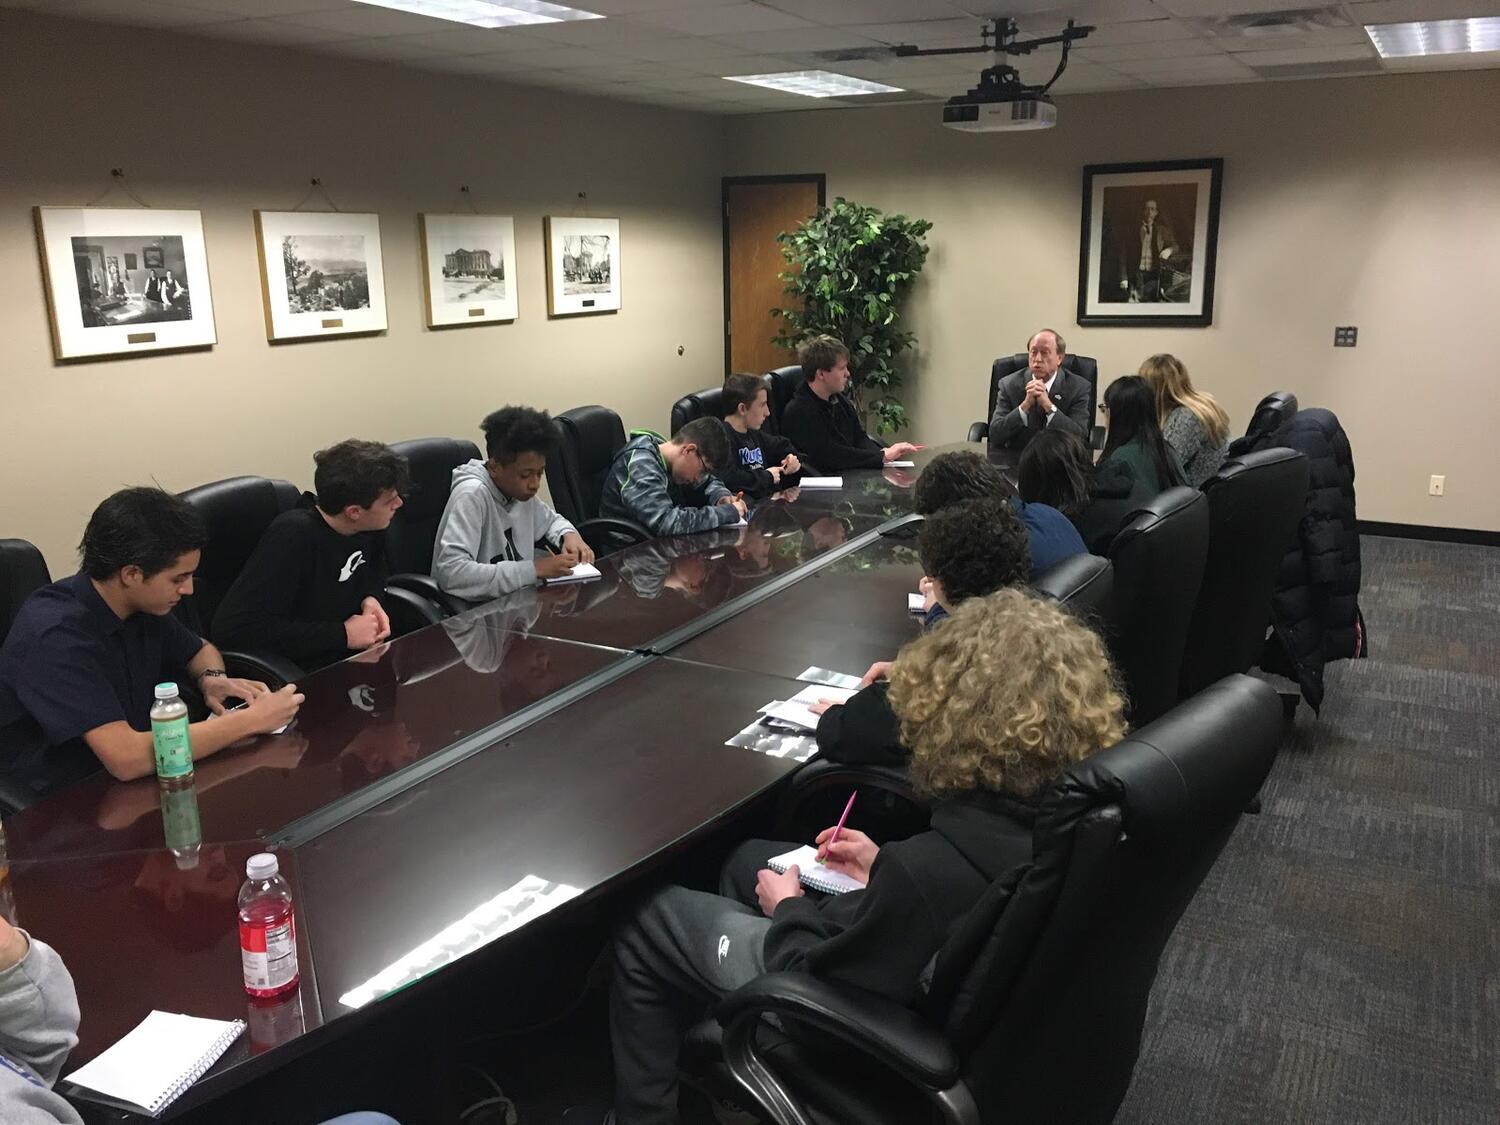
(440, 794)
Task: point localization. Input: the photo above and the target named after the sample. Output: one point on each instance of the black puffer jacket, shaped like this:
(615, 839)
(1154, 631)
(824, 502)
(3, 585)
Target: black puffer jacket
(1315, 611)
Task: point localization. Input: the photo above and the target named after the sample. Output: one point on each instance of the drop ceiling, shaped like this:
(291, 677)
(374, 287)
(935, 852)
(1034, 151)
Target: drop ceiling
(677, 52)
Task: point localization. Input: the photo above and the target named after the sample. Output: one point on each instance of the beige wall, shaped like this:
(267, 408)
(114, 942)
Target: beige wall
(226, 129)
(1373, 202)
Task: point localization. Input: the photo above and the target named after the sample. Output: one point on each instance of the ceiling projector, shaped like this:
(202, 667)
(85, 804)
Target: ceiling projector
(998, 106)
(1002, 102)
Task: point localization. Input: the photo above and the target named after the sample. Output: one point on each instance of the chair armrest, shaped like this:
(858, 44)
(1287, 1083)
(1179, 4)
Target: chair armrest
(979, 431)
(894, 1036)
(425, 586)
(275, 671)
(603, 533)
(409, 611)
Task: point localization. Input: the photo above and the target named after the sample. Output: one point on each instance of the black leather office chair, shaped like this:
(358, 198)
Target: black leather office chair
(22, 570)
(1038, 997)
(409, 540)
(784, 383)
(588, 439)
(1159, 555)
(707, 403)
(1254, 504)
(1083, 583)
(1271, 413)
(1081, 365)
(237, 511)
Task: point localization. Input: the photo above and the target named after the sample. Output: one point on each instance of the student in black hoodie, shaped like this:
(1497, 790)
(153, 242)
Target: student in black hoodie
(311, 590)
(759, 463)
(968, 549)
(1008, 693)
(822, 423)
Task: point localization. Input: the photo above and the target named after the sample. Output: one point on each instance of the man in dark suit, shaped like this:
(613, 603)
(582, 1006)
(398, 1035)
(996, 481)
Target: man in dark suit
(1041, 394)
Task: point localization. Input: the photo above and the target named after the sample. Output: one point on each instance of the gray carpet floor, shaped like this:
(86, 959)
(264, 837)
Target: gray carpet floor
(1342, 961)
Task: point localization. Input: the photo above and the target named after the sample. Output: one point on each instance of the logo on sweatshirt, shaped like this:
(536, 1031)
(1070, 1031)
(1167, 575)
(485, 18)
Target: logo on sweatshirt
(351, 564)
(723, 947)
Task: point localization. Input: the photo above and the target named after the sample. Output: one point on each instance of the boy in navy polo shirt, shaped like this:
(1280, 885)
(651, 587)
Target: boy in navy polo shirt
(83, 654)
(311, 591)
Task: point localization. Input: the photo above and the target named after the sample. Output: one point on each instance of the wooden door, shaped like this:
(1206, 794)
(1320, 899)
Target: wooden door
(756, 210)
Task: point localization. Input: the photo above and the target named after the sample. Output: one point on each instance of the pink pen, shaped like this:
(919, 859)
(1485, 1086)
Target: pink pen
(837, 828)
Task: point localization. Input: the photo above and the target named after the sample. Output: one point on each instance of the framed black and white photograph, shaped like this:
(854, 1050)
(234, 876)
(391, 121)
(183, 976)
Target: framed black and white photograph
(321, 273)
(101, 302)
(469, 265)
(583, 265)
(1150, 243)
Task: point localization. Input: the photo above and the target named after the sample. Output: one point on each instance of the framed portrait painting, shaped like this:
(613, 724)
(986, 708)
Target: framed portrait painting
(583, 265)
(1149, 243)
(124, 280)
(469, 269)
(321, 273)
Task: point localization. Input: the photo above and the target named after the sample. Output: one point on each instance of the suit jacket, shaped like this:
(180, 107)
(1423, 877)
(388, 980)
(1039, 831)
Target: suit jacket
(1070, 394)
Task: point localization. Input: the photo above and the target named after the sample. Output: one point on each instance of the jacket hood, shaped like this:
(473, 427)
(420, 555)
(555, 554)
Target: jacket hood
(978, 825)
(475, 470)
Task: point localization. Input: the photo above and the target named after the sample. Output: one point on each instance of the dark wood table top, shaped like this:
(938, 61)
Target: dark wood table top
(517, 749)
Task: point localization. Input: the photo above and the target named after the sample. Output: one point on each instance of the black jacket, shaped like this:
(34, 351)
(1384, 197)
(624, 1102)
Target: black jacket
(863, 730)
(1315, 611)
(881, 938)
(829, 433)
(298, 588)
(1114, 494)
(1070, 394)
(751, 455)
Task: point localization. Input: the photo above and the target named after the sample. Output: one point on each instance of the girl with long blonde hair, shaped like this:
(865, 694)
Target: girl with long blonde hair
(1192, 421)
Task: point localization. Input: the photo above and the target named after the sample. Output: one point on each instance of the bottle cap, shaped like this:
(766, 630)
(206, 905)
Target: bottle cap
(261, 866)
(166, 691)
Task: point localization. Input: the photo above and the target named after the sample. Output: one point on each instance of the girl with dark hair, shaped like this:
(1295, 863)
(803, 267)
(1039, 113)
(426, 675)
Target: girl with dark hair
(1135, 440)
(1056, 469)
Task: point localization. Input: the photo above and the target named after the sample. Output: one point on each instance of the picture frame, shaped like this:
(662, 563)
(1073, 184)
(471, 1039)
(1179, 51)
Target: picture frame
(583, 265)
(98, 307)
(321, 273)
(1149, 243)
(468, 269)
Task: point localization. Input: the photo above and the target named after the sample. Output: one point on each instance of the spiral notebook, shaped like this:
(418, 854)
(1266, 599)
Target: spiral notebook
(152, 1066)
(813, 874)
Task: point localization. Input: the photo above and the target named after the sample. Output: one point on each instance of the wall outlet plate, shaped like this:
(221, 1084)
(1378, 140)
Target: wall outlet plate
(1345, 337)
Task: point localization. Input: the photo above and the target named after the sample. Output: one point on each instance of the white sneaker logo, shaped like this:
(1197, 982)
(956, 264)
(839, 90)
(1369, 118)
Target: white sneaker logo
(723, 947)
(351, 564)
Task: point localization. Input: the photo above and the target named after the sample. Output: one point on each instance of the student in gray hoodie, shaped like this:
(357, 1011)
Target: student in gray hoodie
(38, 1027)
(668, 485)
(494, 520)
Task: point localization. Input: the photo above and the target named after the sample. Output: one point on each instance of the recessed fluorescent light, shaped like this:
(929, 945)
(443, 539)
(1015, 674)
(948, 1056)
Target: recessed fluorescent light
(487, 13)
(814, 83)
(1435, 37)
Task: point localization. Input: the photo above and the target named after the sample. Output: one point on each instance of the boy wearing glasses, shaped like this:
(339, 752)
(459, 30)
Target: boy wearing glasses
(668, 486)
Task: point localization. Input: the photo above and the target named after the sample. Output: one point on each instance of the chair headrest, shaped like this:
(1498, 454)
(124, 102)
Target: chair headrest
(432, 461)
(22, 570)
(239, 508)
(1085, 577)
(594, 433)
(1175, 505)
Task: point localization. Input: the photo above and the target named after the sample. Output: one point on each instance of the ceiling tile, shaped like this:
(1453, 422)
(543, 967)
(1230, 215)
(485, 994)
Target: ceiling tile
(934, 33)
(723, 20)
(142, 13)
(1097, 12)
(1176, 49)
(1119, 34)
(799, 40)
(637, 7)
(1317, 37)
(387, 47)
(259, 9)
(1233, 7)
(845, 12)
(1225, 65)
(270, 31)
(1293, 55)
(472, 40)
(1399, 11)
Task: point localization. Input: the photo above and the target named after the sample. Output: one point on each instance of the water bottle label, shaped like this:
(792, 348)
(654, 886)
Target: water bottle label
(268, 953)
(174, 755)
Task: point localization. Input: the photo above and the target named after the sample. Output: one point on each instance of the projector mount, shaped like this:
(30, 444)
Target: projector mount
(1002, 82)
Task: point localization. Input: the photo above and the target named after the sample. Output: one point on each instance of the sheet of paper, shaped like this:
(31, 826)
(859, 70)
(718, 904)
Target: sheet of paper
(900, 464)
(796, 714)
(583, 572)
(916, 603)
(775, 742)
(810, 695)
(822, 482)
(816, 675)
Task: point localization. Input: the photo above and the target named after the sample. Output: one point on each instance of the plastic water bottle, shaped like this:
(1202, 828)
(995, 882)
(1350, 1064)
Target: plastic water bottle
(169, 734)
(179, 821)
(268, 929)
